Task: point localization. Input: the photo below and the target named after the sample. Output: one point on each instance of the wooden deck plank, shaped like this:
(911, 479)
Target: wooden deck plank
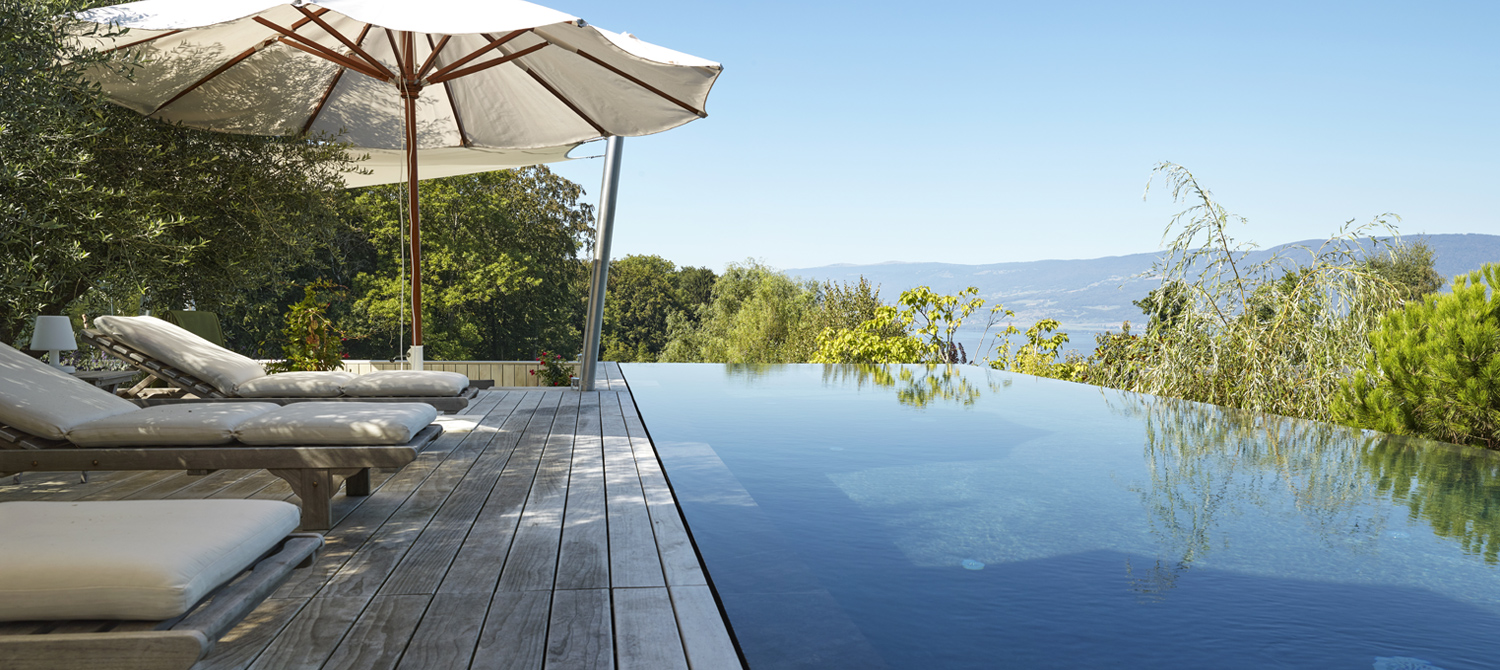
(584, 556)
(580, 631)
(378, 638)
(477, 567)
(422, 568)
(532, 562)
(367, 569)
(678, 557)
(311, 636)
(538, 532)
(448, 633)
(243, 643)
(646, 635)
(515, 632)
(702, 628)
(632, 543)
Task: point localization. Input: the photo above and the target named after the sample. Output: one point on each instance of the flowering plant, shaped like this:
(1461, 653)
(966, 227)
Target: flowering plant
(553, 372)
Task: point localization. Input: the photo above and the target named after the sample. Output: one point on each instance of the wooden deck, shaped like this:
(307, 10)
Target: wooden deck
(538, 532)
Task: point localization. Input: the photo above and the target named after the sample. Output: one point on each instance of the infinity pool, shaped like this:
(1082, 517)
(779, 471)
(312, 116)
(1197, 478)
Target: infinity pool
(907, 517)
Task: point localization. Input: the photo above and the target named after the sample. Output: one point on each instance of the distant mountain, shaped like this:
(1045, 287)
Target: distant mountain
(1090, 296)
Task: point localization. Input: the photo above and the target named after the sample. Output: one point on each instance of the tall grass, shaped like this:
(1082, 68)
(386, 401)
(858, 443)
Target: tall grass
(1271, 336)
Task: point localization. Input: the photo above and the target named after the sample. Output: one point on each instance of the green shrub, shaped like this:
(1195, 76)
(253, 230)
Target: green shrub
(1435, 367)
(312, 343)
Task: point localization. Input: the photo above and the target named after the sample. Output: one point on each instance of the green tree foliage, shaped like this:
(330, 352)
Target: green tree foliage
(644, 294)
(757, 315)
(501, 274)
(100, 205)
(312, 341)
(1407, 267)
(1435, 367)
(1275, 336)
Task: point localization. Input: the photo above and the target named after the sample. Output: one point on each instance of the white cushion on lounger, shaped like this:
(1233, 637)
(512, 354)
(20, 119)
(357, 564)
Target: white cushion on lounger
(134, 559)
(406, 383)
(196, 423)
(296, 385)
(183, 350)
(363, 423)
(47, 402)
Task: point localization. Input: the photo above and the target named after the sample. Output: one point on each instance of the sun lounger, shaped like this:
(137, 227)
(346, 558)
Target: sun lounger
(50, 421)
(137, 584)
(210, 372)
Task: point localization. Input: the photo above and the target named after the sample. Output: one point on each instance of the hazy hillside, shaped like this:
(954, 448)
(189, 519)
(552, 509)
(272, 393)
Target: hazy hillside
(1090, 295)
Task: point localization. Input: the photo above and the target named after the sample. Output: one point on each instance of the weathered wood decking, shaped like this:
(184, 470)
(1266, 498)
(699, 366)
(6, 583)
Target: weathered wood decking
(538, 532)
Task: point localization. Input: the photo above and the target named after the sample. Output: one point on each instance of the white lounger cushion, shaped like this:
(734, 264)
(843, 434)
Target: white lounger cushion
(310, 423)
(46, 402)
(199, 423)
(182, 349)
(296, 385)
(136, 559)
(406, 383)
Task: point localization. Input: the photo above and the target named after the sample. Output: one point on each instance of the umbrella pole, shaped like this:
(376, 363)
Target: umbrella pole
(600, 277)
(412, 199)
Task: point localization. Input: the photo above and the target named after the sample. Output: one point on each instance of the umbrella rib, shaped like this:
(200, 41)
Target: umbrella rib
(641, 84)
(600, 129)
(458, 119)
(169, 33)
(353, 46)
(494, 44)
(220, 70)
(395, 51)
(303, 44)
(489, 64)
(331, 85)
(432, 57)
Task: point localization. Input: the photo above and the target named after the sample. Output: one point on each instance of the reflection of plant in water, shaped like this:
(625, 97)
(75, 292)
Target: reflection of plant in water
(1455, 489)
(1205, 463)
(916, 385)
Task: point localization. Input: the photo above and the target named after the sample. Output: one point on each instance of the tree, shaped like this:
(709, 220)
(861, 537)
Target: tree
(100, 206)
(501, 273)
(757, 315)
(1435, 367)
(642, 295)
(1409, 268)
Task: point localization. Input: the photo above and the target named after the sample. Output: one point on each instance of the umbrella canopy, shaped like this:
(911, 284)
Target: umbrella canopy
(476, 84)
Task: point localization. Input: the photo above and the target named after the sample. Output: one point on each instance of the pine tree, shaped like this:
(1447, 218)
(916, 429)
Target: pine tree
(1435, 369)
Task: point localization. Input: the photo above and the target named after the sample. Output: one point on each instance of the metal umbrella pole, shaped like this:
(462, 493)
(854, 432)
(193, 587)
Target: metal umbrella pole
(594, 322)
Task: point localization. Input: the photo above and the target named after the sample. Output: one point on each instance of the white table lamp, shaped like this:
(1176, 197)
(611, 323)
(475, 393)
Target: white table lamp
(54, 334)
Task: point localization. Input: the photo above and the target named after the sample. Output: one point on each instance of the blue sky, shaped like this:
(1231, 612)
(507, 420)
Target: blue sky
(846, 132)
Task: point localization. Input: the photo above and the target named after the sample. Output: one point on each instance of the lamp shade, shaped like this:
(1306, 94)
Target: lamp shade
(53, 333)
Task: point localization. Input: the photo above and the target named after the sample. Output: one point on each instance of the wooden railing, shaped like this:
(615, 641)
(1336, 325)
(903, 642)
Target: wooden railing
(505, 373)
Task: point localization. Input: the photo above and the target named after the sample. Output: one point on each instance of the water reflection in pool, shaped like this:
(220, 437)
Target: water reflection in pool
(918, 517)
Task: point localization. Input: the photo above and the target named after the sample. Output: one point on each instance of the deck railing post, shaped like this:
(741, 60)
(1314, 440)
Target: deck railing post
(599, 278)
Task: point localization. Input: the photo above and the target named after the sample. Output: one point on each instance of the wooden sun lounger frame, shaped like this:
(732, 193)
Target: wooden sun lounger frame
(176, 643)
(204, 391)
(313, 471)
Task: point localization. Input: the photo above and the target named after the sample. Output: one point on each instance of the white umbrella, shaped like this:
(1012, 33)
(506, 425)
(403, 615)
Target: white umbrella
(478, 84)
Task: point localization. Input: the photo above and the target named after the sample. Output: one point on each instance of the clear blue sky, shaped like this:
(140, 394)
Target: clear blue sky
(980, 132)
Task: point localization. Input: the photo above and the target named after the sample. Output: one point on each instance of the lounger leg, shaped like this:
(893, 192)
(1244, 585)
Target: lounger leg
(314, 487)
(358, 484)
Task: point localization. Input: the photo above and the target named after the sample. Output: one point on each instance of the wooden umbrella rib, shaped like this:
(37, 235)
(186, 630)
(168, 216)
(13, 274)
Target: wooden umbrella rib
(169, 33)
(560, 98)
(489, 64)
(353, 46)
(328, 92)
(292, 39)
(432, 57)
(395, 51)
(335, 58)
(642, 84)
(494, 44)
(458, 119)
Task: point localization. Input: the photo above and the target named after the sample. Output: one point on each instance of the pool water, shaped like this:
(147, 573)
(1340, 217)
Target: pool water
(915, 517)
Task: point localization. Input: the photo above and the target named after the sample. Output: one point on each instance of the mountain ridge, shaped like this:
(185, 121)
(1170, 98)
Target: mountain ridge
(1095, 294)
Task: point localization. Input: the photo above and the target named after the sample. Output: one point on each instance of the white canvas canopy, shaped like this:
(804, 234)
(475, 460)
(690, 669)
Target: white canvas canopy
(473, 84)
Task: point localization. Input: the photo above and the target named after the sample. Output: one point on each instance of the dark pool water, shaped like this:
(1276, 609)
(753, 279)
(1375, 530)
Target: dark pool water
(907, 517)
